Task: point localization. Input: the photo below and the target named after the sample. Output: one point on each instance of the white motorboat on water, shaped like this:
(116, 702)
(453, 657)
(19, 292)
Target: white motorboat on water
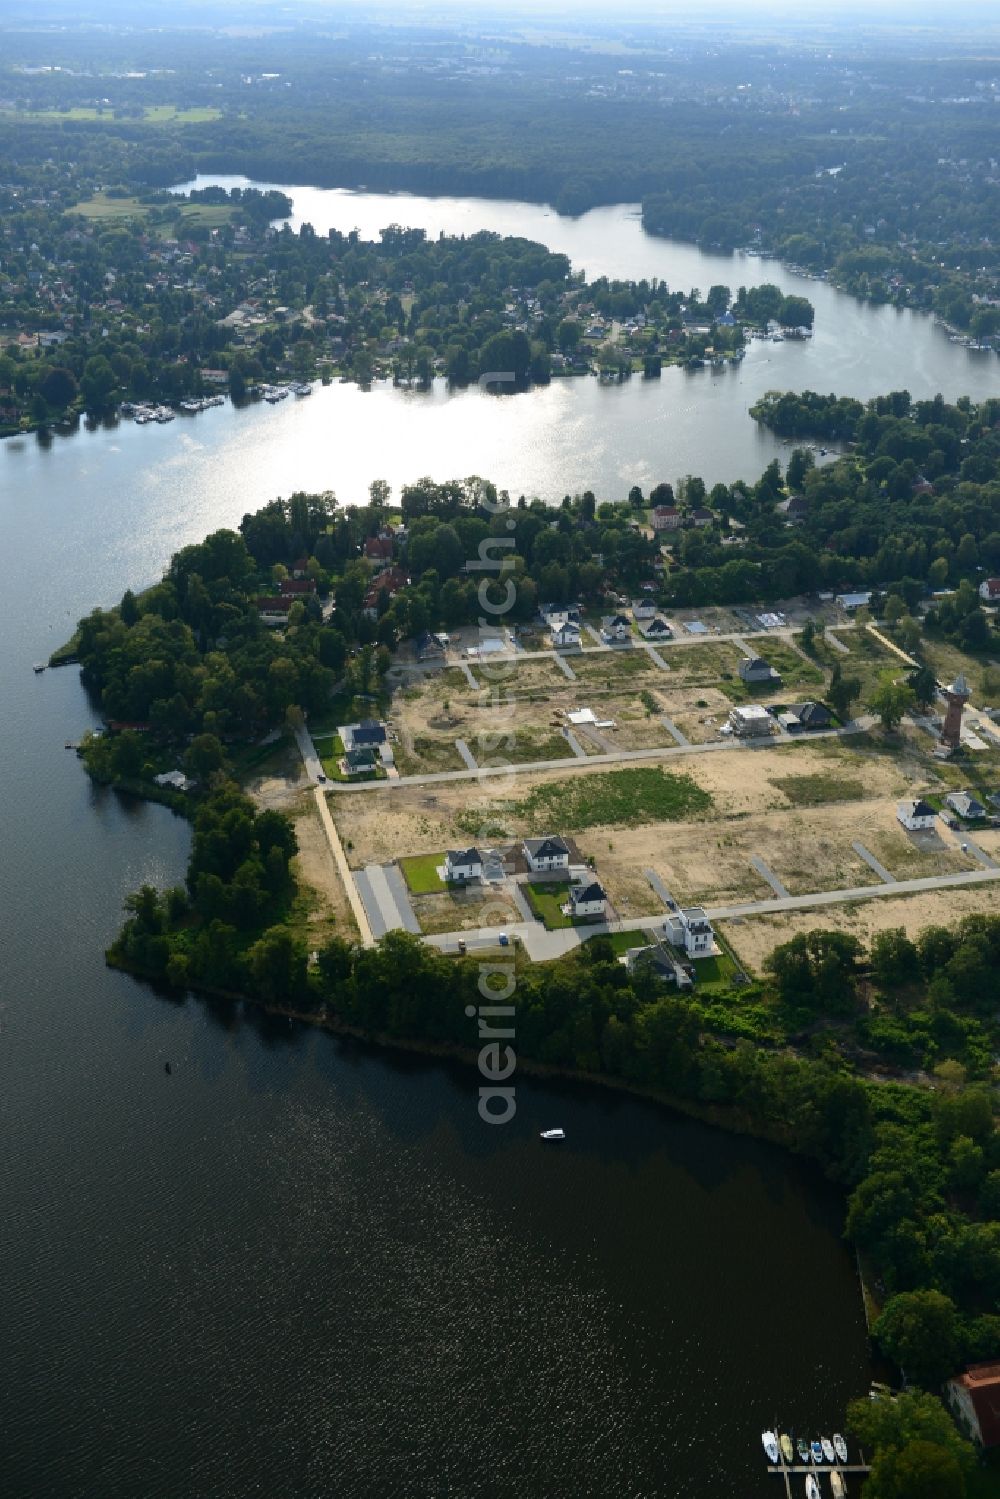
(553, 1134)
(828, 1452)
(812, 1487)
(840, 1447)
(816, 1448)
(770, 1444)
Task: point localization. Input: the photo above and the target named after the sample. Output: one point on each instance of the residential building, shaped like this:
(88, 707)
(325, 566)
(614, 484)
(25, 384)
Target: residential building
(701, 517)
(429, 647)
(587, 901)
(812, 715)
(665, 518)
(657, 959)
(566, 636)
(690, 930)
(751, 721)
(916, 814)
(990, 590)
(759, 673)
(616, 628)
(359, 761)
(658, 629)
(370, 733)
(975, 1398)
(965, 805)
(378, 550)
(273, 609)
(462, 865)
(543, 854)
(175, 779)
(851, 601)
(642, 610)
(796, 508)
(388, 582)
(296, 587)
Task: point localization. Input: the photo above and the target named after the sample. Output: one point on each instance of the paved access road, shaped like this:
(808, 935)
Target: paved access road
(617, 757)
(541, 945)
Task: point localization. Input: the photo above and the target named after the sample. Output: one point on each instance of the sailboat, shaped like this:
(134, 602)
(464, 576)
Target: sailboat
(839, 1447)
(787, 1450)
(812, 1488)
(828, 1452)
(770, 1444)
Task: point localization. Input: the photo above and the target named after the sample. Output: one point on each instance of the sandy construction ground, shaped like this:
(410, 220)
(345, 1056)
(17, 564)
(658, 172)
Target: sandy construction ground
(757, 936)
(315, 866)
(464, 910)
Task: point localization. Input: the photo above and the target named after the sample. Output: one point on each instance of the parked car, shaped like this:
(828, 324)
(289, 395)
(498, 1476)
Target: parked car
(503, 939)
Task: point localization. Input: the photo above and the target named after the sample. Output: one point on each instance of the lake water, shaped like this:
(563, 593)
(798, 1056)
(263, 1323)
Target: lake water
(297, 1267)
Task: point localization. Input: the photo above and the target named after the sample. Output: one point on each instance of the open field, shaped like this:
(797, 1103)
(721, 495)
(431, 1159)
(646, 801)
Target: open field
(754, 937)
(612, 668)
(801, 678)
(425, 819)
(105, 209)
(865, 660)
(947, 660)
(152, 114)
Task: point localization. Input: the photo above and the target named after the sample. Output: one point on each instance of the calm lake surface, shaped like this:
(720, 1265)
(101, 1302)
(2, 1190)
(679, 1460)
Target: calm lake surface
(296, 1267)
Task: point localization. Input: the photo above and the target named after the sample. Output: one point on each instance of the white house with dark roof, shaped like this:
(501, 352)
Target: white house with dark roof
(616, 628)
(462, 865)
(566, 636)
(658, 629)
(916, 815)
(690, 930)
(587, 901)
(543, 854)
(966, 805)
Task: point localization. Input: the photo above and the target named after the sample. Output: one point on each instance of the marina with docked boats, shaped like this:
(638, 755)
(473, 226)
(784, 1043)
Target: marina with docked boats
(814, 1457)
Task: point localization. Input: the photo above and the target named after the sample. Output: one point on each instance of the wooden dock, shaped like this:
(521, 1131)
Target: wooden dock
(787, 1469)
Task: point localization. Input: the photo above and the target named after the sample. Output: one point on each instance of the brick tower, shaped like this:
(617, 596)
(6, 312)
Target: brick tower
(957, 695)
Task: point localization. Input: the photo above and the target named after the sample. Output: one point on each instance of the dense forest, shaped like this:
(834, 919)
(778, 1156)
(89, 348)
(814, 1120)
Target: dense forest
(874, 162)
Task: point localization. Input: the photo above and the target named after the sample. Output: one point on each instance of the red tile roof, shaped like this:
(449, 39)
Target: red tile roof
(982, 1382)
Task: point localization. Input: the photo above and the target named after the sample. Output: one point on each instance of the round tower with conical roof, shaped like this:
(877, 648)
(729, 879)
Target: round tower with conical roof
(957, 695)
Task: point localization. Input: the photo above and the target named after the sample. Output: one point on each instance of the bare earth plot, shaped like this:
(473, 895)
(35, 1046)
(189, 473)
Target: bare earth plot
(463, 910)
(755, 937)
(330, 909)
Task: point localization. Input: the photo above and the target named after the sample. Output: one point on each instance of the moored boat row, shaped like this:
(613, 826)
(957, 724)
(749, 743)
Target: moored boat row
(821, 1450)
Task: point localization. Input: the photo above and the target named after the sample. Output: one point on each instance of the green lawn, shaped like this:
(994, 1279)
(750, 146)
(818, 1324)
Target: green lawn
(152, 114)
(623, 798)
(815, 790)
(421, 873)
(546, 901)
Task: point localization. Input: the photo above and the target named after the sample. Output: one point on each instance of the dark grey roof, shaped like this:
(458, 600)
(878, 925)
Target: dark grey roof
(545, 848)
(583, 893)
(920, 808)
(812, 713)
(464, 856)
(369, 731)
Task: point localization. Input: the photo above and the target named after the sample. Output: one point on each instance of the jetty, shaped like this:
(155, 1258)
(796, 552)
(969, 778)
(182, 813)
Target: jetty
(787, 1469)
